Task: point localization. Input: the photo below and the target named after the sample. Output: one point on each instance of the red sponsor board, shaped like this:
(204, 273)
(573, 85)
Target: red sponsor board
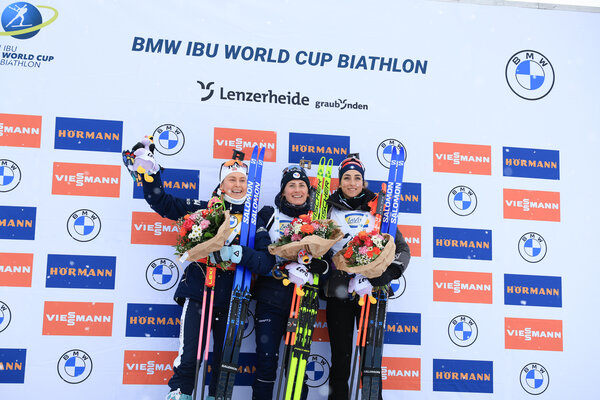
(531, 204)
(151, 228)
(16, 269)
(148, 367)
(462, 158)
(77, 319)
(320, 333)
(226, 140)
(401, 373)
(334, 184)
(412, 235)
(462, 287)
(20, 130)
(533, 334)
(86, 179)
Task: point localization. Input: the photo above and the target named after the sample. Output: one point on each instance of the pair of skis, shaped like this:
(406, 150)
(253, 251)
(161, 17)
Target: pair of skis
(305, 304)
(371, 327)
(240, 295)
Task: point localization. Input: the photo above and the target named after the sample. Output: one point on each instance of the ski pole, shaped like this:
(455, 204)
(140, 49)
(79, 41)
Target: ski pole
(287, 342)
(199, 352)
(362, 350)
(357, 348)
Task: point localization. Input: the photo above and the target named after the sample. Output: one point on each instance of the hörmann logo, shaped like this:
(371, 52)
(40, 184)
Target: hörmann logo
(399, 373)
(88, 134)
(532, 290)
(462, 158)
(77, 319)
(16, 269)
(532, 247)
(75, 366)
(86, 179)
(245, 372)
(531, 205)
(531, 163)
(402, 328)
(17, 222)
(462, 287)
(20, 130)
(141, 367)
(182, 183)
(533, 334)
(311, 146)
(463, 376)
(412, 236)
(469, 244)
(12, 365)
(80, 272)
(250, 96)
(529, 74)
(153, 320)
(226, 140)
(410, 195)
(150, 228)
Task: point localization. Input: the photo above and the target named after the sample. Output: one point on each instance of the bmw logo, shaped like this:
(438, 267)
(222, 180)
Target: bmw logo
(532, 247)
(162, 274)
(75, 366)
(534, 378)
(462, 200)
(398, 286)
(317, 371)
(84, 225)
(4, 316)
(384, 154)
(249, 324)
(529, 74)
(462, 331)
(168, 139)
(10, 175)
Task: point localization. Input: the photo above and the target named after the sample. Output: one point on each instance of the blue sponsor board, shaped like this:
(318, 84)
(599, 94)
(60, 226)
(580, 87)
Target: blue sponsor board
(247, 362)
(17, 222)
(531, 163)
(153, 320)
(88, 134)
(182, 183)
(410, 196)
(468, 244)
(310, 146)
(402, 328)
(532, 290)
(80, 272)
(12, 365)
(463, 376)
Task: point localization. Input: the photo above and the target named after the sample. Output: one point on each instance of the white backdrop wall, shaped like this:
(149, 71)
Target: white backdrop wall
(92, 69)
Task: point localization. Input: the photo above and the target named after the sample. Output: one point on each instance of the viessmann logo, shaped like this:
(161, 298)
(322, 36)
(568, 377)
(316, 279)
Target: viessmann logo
(462, 158)
(533, 334)
(531, 205)
(16, 269)
(142, 367)
(412, 236)
(226, 140)
(462, 287)
(88, 134)
(20, 130)
(320, 333)
(151, 228)
(77, 319)
(398, 373)
(86, 179)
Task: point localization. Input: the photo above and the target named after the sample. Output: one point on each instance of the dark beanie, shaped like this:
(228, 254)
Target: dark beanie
(291, 173)
(351, 164)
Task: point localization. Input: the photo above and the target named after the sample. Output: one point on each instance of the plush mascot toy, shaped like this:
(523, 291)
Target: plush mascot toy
(140, 160)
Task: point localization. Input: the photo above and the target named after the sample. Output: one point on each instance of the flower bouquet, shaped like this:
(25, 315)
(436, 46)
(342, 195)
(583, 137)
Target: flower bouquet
(368, 254)
(203, 232)
(302, 234)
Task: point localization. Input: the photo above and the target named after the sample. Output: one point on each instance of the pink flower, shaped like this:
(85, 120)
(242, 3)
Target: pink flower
(363, 250)
(286, 231)
(296, 237)
(204, 224)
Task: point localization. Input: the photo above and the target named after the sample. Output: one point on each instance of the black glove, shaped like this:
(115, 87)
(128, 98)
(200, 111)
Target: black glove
(394, 271)
(318, 266)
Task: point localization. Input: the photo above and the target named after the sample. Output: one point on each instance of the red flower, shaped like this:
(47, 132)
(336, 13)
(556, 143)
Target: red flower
(182, 232)
(304, 218)
(348, 252)
(368, 242)
(308, 229)
(363, 235)
(356, 241)
(376, 250)
(187, 224)
(370, 254)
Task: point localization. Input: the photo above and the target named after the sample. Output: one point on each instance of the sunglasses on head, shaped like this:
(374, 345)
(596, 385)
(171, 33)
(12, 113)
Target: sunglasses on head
(293, 168)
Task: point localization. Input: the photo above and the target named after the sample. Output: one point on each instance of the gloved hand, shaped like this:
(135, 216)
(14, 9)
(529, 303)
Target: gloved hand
(298, 274)
(140, 160)
(318, 266)
(231, 253)
(360, 285)
(392, 272)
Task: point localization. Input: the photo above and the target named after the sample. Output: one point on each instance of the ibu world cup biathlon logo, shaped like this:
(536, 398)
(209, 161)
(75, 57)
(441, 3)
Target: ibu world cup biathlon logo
(317, 371)
(75, 366)
(162, 274)
(10, 175)
(384, 153)
(529, 74)
(532, 247)
(84, 225)
(5, 316)
(168, 139)
(534, 378)
(23, 20)
(462, 331)
(462, 200)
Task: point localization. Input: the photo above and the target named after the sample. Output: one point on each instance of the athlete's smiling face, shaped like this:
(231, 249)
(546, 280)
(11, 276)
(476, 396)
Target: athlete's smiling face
(235, 185)
(295, 192)
(351, 183)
